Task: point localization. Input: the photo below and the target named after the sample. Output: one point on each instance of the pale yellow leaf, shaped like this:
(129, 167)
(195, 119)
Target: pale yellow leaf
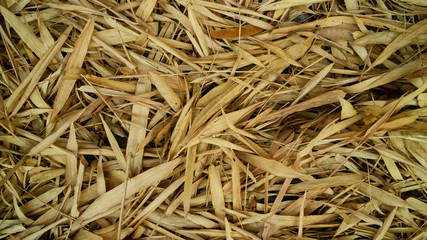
(347, 109)
(272, 166)
(166, 91)
(216, 192)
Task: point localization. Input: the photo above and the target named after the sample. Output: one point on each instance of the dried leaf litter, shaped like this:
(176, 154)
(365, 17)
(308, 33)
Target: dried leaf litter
(298, 119)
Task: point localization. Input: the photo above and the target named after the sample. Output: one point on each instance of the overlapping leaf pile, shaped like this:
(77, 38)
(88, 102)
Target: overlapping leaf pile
(298, 119)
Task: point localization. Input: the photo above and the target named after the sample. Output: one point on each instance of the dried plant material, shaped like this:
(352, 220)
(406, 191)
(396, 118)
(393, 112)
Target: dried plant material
(280, 52)
(281, 5)
(245, 55)
(387, 222)
(118, 85)
(385, 78)
(272, 166)
(20, 214)
(25, 32)
(71, 71)
(189, 175)
(47, 175)
(323, 23)
(399, 123)
(115, 146)
(192, 16)
(137, 130)
(313, 82)
(145, 9)
(329, 130)
(181, 127)
(19, 96)
(344, 180)
(382, 196)
(392, 168)
(386, 37)
(211, 119)
(242, 31)
(422, 100)
(48, 141)
(326, 98)
(351, 5)
(71, 161)
(416, 2)
(347, 110)
(84, 234)
(166, 91)
(417, 204)
(112, 198)
(401, 41)
(216, 192)
(227, 230)
(160, 198)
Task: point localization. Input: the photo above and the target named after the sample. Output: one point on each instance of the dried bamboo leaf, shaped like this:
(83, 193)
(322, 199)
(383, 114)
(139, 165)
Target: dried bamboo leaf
(112, 198)
(224, 143)
(159, 199)
(416, 2)
(25, 32)
(216, 192)
(417, 205)
(27, 221)
(145, 9)
(20, 95)
(387, 222)
(382, 195)
(166, 91)
(74, 62)
(47, 175)
(84, 234)
(115, 146)
(344, 180)
(201, 37)
(281, 5)
(71, 161)
(137, 131)
(48, 141)
(347, 110)
(328, 131)
(271, 166)
(189, 175)
(313, 82)
(242, 31)
(402, 40)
